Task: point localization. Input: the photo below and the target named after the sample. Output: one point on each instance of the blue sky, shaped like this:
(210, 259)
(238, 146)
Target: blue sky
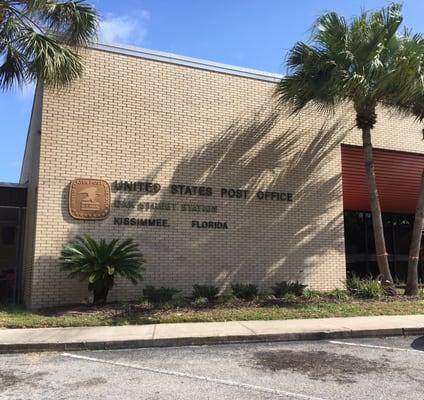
(248, 33)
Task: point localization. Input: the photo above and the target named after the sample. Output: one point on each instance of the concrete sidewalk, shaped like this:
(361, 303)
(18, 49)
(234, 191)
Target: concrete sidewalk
(131, 336)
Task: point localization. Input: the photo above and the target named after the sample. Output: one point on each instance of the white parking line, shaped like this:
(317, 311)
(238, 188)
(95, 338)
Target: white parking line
(374, 346)
(262, 389)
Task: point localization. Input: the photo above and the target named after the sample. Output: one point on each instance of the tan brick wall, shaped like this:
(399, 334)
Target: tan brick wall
(140, 120)
(29, 177)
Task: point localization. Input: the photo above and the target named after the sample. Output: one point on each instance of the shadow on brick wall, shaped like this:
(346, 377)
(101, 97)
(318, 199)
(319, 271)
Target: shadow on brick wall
(268, 241)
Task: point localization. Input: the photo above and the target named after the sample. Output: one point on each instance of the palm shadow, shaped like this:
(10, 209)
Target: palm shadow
(266, 242)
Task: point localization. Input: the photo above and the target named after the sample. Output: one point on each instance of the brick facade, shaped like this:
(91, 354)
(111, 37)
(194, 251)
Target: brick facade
(134, 119)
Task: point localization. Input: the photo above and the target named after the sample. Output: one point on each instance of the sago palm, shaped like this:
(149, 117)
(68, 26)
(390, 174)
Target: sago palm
(367, 62)
(39, 39)
(99, 262)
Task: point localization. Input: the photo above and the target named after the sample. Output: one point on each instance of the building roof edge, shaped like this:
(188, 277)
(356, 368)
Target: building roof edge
(187, 61)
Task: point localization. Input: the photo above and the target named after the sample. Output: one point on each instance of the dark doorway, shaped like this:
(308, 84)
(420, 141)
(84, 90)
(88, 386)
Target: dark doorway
(12, 218)
(360, 249)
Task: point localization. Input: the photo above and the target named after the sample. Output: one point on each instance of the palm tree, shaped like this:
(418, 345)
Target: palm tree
(99, 262)
(367, 62)
(39, 40)
(414, 249)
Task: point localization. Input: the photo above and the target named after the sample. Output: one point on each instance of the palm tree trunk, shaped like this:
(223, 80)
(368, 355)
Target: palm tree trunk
(377, 221)
(414, 250)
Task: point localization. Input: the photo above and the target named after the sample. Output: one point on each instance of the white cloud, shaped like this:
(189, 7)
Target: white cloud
(125, 28)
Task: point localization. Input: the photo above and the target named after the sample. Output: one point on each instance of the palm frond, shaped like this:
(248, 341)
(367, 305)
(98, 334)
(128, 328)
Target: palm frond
(72, 22)
(93, 260)
(364, 60)
(39, 39)
(330, 33)
(49, 60)
(13, 68)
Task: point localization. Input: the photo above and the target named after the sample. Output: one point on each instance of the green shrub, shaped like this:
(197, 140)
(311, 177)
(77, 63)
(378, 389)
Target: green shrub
(175, 303)
(200, 302)
(208, 291)
(179, 302)
(289, 298)
(244, 291)
(338, 294)
(365, 288)
(227, 299)
(99, 262)
(159, 294)
(264, 299)
(280, 289)
(310, 294)
(265, 296)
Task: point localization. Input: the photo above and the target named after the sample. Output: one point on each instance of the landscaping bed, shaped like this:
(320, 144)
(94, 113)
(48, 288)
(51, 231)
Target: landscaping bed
(229, 309)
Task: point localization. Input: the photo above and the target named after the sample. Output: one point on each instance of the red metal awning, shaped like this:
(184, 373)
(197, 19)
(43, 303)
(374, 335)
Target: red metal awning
(398, 176)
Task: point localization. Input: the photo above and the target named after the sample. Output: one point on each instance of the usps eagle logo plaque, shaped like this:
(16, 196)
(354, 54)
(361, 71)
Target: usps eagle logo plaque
(89, 199)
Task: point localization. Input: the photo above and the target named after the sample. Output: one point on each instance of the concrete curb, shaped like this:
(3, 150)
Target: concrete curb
(208, 340)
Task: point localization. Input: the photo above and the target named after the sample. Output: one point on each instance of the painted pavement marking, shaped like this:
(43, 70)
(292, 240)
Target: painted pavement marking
(370, 346)
(247, 386)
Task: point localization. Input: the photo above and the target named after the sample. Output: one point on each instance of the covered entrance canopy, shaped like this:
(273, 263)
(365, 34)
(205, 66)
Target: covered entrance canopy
(398, 176)
(12, 217)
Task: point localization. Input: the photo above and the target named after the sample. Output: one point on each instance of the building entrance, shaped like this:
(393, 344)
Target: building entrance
(12, 217)
(361, 257)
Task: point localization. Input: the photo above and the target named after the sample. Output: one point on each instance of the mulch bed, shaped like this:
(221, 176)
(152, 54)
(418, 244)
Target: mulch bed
(137, 309)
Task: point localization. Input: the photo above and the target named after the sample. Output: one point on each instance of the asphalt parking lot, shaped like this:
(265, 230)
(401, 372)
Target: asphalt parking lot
(379, 368)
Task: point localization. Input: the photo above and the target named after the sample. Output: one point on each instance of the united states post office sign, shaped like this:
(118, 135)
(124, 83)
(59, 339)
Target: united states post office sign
(89, 199)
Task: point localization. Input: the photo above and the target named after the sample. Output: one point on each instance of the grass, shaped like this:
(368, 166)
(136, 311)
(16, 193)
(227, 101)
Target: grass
(125, 314)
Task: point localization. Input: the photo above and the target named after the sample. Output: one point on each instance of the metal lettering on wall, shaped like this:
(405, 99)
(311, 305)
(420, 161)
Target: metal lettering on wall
(89, 199)
(151, 188)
